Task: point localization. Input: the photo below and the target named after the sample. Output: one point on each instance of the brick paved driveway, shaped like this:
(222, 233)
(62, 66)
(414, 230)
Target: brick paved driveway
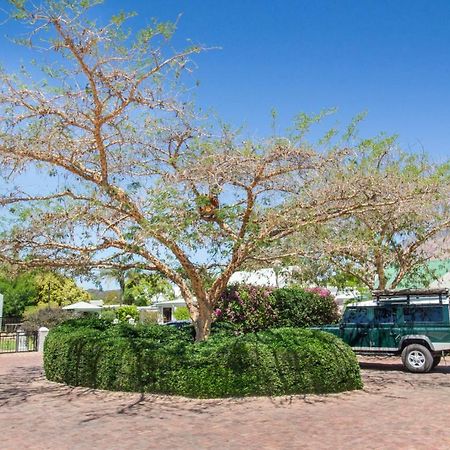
(395, 410)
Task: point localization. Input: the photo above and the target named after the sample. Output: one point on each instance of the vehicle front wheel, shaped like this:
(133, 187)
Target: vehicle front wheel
(417, 358)
(436, 361)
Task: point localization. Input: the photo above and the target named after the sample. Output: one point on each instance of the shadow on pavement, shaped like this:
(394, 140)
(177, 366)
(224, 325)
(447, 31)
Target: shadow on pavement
(25, 384)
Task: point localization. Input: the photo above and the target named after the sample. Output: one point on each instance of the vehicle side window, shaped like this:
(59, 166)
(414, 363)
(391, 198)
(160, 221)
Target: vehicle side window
(385, 314)
(423, 314)
(356, 315)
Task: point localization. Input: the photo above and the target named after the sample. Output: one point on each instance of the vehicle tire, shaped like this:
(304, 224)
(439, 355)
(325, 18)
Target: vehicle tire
(417, 358)
(436, 361)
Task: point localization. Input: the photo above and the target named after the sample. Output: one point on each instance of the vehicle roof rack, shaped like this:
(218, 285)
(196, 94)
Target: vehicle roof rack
(410, 295)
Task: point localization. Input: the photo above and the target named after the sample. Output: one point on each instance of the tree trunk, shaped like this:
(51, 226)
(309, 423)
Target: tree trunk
(202, 323)
(382, 281)
(121, 280)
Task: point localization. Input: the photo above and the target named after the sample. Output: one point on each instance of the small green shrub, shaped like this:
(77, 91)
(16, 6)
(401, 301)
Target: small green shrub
(254, 308)
(165, 360)
(126, 312)
(108, 314)
(181, 313)
(276, 362)
(144, 317)
(89, 322)
(148, 317)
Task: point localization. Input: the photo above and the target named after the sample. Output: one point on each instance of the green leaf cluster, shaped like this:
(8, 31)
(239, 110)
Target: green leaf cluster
(182, 313)
(28, 291)
(126, 312)
(254, 308)
(45, 316)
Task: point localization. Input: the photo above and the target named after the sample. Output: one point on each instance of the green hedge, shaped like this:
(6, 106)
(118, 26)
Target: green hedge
(161, 359)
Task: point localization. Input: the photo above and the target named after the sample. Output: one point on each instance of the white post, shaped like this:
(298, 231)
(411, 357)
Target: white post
(1, 311)
(21, 341)
(42, 334)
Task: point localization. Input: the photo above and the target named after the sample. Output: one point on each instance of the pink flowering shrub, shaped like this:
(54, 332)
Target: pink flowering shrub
(249, 308)
(297, 307)
(320, 291)
(253, 308)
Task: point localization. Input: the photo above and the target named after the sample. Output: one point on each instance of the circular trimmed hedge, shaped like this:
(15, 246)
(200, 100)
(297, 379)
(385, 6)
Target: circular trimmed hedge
(160, 359)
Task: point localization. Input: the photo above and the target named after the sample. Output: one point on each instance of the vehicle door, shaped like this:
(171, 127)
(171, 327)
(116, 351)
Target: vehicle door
(385, 333)
(355, 326)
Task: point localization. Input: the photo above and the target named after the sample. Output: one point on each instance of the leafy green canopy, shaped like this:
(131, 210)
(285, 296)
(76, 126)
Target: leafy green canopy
(140, 288)
(18, 293)
(181, 313)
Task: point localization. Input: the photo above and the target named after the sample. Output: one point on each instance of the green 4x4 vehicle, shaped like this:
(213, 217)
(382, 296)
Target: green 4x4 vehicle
(412, 323)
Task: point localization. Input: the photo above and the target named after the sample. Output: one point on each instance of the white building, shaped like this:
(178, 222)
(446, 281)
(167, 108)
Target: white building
(164, 307)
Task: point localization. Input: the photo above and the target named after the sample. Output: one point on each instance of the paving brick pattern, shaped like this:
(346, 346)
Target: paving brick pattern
(396, 410)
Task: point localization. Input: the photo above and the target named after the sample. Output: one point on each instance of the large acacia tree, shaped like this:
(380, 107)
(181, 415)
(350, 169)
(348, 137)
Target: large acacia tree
(128, 179)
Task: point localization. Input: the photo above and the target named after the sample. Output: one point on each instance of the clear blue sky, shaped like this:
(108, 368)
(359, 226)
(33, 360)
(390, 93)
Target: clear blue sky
(391, 58)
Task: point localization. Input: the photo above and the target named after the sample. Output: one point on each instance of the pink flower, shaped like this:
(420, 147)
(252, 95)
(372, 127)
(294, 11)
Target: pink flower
(322, 292)
(218, 312)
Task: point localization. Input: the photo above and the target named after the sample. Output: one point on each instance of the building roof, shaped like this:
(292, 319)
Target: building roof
(166, 303)
(83, 307)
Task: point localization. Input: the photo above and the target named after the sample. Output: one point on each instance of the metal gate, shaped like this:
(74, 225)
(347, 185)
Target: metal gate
(19, 341)
(13, 339)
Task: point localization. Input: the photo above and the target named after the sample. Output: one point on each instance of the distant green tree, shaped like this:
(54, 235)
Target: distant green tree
(33, 288)
(120, 276)
(388, 244)
(141, 287)
(319, 272)
(126, 312)
(112, 298)
(19, 292)
(56, 289)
